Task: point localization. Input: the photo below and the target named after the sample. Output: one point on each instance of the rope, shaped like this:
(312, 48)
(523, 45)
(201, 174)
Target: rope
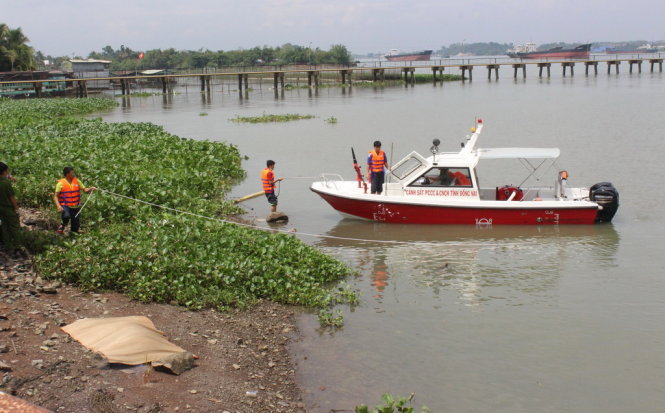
(256, 226)
(302, 177)
(393, 242)
(84, 204)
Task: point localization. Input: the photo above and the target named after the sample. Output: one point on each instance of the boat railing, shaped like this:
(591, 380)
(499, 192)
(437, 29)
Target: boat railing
(330, 180)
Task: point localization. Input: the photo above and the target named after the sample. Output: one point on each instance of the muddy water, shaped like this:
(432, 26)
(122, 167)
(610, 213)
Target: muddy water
(509, 319)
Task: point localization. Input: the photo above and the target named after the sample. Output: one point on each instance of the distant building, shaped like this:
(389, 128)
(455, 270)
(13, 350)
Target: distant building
(92, 68)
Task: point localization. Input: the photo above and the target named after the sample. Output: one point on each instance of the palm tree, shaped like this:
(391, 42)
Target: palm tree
(15, 54)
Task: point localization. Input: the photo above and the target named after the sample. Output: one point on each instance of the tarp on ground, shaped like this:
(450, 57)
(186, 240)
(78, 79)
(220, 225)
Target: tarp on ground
(128, 340)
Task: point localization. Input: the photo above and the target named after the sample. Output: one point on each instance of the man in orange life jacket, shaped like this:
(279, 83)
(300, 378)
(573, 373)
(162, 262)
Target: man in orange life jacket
(268, 180)
(376, 161)
(67, 199)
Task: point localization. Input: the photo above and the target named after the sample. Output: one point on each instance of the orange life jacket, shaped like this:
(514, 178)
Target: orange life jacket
(267, 178)
(461, 179)
(376, 161)
(70, 195)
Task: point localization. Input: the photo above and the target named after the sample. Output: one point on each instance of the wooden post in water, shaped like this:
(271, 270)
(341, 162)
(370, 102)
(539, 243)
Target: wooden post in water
(203, 83)
(343, 73)
(163, 85)
(281, 80)
(309, 78)
(434, 69)
(654, 61)
(571, 65)
(246, 79)
(38, 89)
(208, 87)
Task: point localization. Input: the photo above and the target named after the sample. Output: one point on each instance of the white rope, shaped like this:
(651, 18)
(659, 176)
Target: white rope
(393, 242)
(84, 204)
(252, 226)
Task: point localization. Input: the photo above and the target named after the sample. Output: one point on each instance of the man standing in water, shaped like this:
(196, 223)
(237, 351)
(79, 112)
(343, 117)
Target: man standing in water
(376, 162)
(67, 199)
(268, 180)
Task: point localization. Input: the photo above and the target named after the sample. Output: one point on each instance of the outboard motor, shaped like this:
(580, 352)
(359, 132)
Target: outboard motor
(607, 196)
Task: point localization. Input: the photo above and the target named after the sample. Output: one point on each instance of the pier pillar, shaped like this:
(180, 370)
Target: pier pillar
(246, 79)
(310, 74)
(489, 72)
(434, 69)
(163, 85)
(571, 65)
(517, 66)
(464, 68)
(275, 77)
(38, 89)
(378, 74)
(654, 61)
(240, 83)
(343, 73)
(208, 87)
(638, 62)
(281, 80)
(544, 65)
(203, 83)
(586, 67)
(614, 63)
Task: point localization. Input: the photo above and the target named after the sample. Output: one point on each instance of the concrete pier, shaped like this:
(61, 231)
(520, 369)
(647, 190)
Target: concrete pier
(519, 66)
(586, 67)
(544, 65)
(571, 65)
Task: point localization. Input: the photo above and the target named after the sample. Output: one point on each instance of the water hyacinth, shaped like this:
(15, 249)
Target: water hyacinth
(144, 251)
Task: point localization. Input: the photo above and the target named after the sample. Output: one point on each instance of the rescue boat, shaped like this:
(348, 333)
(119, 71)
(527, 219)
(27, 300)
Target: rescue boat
(443, 189)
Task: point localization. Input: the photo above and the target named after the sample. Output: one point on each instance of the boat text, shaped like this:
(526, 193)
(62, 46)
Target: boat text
(442, 192)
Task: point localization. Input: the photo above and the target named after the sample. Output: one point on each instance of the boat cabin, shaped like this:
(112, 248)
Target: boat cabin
(453, 175)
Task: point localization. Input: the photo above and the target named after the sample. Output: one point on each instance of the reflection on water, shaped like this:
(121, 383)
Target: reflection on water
(478, 264)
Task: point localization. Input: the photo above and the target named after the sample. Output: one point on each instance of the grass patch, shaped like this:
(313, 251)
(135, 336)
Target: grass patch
(148, 253)
(266, 118)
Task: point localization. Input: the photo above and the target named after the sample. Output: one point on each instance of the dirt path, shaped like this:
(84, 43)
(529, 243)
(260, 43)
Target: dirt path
(243, 364)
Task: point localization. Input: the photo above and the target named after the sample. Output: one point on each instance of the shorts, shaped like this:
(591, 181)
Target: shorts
(272, 199)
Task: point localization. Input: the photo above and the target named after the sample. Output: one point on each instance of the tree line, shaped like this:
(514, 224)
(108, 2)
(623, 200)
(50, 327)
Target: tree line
(125, 58)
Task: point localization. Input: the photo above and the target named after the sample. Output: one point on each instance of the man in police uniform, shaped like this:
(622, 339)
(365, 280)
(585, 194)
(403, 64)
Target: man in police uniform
(377, 161)
(9, 221)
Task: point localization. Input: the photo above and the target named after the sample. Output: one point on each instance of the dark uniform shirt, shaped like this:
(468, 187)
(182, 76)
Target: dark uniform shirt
(6, 192)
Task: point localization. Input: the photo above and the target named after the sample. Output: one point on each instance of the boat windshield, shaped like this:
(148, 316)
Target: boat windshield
(444, 177)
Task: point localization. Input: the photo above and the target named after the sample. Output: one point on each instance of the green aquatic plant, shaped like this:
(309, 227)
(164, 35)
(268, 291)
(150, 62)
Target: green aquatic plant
(151, 253)
(203, 114)
(330, 318)
(265, 118)
(392, 405)
(331, 119)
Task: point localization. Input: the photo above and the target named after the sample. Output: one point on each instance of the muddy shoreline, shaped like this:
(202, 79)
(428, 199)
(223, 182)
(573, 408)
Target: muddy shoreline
(243, 365)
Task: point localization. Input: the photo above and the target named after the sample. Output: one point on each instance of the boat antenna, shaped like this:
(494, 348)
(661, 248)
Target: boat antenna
(435, 148)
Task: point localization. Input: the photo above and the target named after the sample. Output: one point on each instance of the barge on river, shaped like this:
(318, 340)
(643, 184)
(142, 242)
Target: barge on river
(443, 189)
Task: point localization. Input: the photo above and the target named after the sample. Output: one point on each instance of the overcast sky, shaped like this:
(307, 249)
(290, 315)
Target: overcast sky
(78, 27)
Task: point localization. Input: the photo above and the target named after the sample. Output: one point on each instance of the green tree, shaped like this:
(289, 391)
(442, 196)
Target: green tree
(15, 54)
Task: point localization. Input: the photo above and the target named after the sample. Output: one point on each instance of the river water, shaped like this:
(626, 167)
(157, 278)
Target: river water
(502, 319)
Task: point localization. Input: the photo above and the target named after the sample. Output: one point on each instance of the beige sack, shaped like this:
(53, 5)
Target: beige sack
(127, 340)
